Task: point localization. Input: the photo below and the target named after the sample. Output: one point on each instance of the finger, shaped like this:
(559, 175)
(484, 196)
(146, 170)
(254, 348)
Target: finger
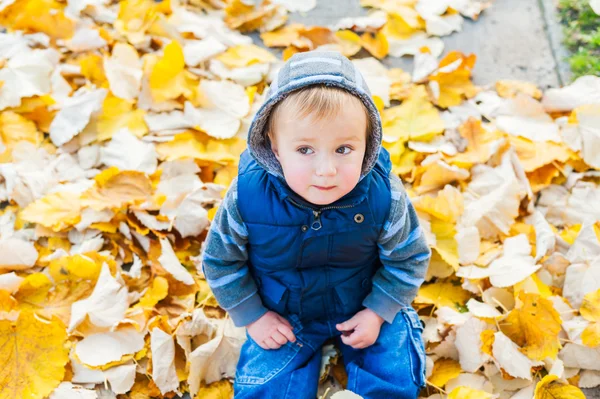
(286, 322)
(347, 325)
(279, 338)
(287, 332)
(271, 344)
(351, 339)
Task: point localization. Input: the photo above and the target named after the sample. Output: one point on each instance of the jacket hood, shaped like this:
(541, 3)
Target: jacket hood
(307, 69)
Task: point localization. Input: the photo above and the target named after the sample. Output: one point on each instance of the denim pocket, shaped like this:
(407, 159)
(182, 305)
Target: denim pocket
(259, 365)
(416, 346)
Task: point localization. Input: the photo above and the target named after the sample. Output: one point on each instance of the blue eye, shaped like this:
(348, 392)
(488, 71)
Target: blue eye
(344, 152)
(304, 150)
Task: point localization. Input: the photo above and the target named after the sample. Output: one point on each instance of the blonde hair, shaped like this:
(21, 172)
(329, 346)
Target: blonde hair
(319, 101)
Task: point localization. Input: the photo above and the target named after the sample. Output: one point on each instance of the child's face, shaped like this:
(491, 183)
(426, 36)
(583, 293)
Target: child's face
(321, 160)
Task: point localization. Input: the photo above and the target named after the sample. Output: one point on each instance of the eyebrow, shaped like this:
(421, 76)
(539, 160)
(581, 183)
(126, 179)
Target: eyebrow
(350, 138)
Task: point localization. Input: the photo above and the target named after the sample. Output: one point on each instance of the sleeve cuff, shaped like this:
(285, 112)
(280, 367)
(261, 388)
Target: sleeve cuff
(248, 311)
(380, 303)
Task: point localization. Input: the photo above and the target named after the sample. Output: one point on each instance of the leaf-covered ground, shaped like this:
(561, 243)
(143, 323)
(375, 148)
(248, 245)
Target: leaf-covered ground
(121, 124)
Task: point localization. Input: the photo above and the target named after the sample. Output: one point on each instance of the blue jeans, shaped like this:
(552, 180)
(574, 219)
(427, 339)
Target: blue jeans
(393, 367)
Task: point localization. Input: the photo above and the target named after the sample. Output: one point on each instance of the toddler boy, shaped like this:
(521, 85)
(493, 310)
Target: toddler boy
(316, 238)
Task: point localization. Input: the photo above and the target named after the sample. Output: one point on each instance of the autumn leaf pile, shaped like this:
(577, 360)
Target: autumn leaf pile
(120, 128)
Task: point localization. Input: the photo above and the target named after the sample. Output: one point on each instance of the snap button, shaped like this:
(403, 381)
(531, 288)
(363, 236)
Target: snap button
(359, 218)
(304, 228)
(365, 283)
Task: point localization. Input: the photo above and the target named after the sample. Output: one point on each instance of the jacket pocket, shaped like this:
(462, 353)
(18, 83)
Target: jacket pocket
(351, 293)
(274, 294)
(416, 346)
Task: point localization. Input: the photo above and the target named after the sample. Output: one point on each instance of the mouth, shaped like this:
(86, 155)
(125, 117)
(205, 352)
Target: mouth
(325, 188)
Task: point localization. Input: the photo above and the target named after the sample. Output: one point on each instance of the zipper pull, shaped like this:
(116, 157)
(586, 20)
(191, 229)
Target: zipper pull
(316, 224)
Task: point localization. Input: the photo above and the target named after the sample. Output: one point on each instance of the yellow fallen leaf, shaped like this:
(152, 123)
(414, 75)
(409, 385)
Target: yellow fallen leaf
(403, 9)
(55, 211)
(78, 267)
(533, 285)
(487, 341)
(44, 16)
(217, 390)
(510, 88)
(447, 205)
(135, 18)
(118, 114)
(73, 279)
(376, 44)
(38, 294)
(246, 18)
(396, 27)
(534, 155)
(403, 159)
(245, 55)
(415, 119)
(544, 176)
(349, 42)
(226, 174)
(33, 354)
(451, 83)
(431, 176)
(8, 306)
(446, 244)
(534, 325)
(124, 188)
(290, 51)
(463, 392)
(169, 79)
(590, 310)
(591, 335)
(15, 128)
(92, 67)
(443, 293)
(317, 36)
(443, 371)
(402, 85)
(36, 110)
(479, 141)
(205, 296)
(549, 388)
(199, 146)
(157, 292)
(570, 233)
(286, 36)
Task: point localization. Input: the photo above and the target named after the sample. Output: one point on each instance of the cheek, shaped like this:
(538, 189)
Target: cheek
(350, 173)
(296, 173)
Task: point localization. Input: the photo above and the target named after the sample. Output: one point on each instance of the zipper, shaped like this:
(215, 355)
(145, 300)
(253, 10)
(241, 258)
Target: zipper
(316, 223)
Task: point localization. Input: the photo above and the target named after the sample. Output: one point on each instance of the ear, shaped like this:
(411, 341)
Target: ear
(274, 147)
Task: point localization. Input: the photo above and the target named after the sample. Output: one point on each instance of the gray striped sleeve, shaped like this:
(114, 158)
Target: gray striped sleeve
(224, 263)
(404, 253)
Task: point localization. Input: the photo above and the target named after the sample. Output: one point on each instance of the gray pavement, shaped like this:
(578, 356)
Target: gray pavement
(513, 39)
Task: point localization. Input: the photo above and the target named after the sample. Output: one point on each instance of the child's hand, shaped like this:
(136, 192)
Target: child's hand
(271, 331)
(366, 325)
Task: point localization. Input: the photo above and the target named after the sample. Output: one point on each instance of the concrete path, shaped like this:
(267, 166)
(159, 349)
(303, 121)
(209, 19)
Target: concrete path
(513, 39)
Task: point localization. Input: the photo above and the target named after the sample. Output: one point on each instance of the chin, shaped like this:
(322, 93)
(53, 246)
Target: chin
(322, 199)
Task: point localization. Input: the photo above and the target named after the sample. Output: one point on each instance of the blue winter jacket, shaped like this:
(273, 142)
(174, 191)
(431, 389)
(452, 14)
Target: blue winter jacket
(268, 248)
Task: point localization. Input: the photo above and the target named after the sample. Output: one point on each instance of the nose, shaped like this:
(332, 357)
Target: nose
(326, 167)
